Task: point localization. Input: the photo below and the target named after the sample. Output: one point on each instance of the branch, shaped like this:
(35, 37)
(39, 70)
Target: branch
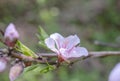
(40, 59)
(91, 54)
(25, 58)
(44, 57)
(106, 44)
(104, 53)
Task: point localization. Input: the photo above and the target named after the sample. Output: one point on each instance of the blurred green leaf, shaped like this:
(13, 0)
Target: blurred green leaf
(47, 69)
(42, 44)
(42, 36)
(25, 50)
(30, 68)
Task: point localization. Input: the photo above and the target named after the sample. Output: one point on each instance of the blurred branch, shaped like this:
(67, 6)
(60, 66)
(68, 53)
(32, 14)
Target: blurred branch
(25, 58)
(43, 56)
(91, 54)
(104, 53)
(106, 44)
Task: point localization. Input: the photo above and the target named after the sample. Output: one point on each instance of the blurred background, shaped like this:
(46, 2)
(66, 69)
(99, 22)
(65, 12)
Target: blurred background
(96, 22)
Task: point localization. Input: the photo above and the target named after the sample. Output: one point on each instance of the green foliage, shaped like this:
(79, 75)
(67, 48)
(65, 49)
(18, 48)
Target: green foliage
(42, 35)
(48, 68)
(25, 50)
(31, 68)
(40, 68)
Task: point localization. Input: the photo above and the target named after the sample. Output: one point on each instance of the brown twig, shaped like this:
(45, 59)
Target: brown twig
(106, 44)
(52, 55)
(104, 53)
(30, 59)
(91, 54)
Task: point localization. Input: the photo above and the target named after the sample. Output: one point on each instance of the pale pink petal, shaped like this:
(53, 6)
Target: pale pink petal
(58, 39)
(78, 52)
(11, 27)
(115, 73)
(72, 41)
(11, 35)
(56, 36)
(3, 65)
(16, 71)
(63, 53)
(11, 32)
(82, 51)
(50, 44)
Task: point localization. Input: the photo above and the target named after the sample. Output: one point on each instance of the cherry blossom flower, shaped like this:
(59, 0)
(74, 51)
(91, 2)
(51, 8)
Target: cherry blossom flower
(115, 73)
(11, 35)
(66, 48)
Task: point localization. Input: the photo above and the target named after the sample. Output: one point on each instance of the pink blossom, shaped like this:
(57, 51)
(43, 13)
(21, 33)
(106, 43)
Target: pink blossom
(65, 48)
(11, 35)
(3, 63)
(115, 73)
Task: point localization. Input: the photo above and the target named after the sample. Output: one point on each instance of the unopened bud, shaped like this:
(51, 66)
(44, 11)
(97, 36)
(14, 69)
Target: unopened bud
(11, 35)
(16, 71)
(3, 63)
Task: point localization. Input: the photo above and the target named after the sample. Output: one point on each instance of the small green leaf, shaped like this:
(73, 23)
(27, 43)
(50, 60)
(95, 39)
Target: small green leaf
(42, 44)
(42, 34)
(51, 68)
(25, 50)
(47, 69)
(30, 68)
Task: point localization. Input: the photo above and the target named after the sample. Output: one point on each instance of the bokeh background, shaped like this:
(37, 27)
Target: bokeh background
(96, 22)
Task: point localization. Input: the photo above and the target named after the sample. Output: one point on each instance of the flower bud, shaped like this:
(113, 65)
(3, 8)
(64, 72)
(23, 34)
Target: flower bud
(16, 71)
(11, 35)
(3, 63)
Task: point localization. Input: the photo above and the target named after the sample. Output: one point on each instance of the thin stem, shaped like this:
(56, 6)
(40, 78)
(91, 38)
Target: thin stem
(46, 56)
(114, 45)
(91, 54)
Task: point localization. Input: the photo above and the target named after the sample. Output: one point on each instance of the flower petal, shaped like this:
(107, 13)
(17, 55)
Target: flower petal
(16, 70)
(50, 44)
(58, 39)
(63, 54)
(78, 52)
(3, 65)
(82, 51)
(11, 32)
(11, 35)
(72, 40)
(115, 73)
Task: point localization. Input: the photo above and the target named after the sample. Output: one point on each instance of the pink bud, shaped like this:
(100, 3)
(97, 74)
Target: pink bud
(3, 64)
(16, 71)
(11, 35)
